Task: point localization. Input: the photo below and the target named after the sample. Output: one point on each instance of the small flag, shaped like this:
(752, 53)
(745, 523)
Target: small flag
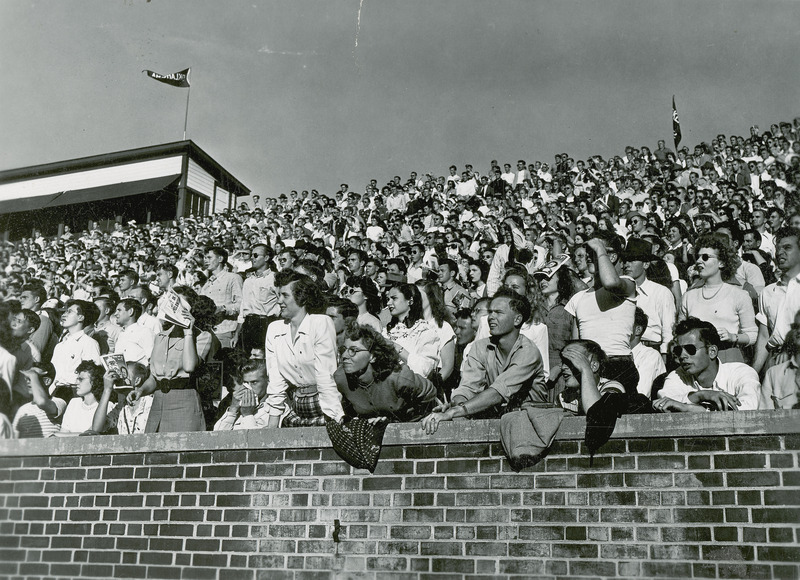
(178, 79)
(676, 124)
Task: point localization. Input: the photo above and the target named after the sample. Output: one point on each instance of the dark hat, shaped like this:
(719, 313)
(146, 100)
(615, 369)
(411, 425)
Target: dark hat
(639, 249)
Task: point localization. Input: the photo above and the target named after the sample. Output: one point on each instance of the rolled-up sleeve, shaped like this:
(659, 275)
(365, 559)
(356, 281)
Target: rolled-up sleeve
(526, 363)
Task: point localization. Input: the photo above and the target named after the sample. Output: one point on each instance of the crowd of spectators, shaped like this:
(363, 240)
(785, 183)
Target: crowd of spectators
(672, 276)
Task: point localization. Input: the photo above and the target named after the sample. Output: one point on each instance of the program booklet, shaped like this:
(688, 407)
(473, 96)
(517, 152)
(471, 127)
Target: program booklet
(173, 308)
(116, 364)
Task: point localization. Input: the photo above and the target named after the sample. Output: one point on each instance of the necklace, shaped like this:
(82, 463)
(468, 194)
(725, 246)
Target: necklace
(703, 292)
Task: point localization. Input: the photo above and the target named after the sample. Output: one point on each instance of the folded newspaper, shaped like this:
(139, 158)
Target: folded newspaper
(174, 308)
(116, 364)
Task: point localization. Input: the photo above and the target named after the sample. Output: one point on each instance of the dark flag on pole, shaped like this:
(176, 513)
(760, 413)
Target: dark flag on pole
(178, 79)
(676, 124)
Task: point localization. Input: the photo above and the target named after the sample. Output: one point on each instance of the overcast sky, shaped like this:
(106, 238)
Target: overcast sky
(284, 99)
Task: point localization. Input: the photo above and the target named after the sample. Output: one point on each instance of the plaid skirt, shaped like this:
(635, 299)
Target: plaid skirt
(304, 411)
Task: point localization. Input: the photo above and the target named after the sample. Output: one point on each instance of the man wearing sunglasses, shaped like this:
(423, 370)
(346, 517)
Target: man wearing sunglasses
(702, 382)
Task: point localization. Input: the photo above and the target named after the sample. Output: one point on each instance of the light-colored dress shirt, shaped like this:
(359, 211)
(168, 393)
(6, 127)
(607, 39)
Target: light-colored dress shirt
(650, 364)
(69, 353)
(135, 343)
(225, 289)
(259, 296)
(659, 304)
(518, 379)
(781, 389)
(308, 359)
(734, 378)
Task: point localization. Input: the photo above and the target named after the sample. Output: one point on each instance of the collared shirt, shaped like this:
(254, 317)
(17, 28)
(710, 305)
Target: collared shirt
(781, 388)
(650, 364)
(233, 420)
(734, 378)
(308, 359)
(453, 291)
(106, 334)
(166, 362)
(225, 289)
(518, 378)
(135, 343)
(659, 304)
(777, 306)
(70, 352)
(259, 296)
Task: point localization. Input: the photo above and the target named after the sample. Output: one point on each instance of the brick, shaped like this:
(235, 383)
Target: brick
(554, 515)
(700, 444)
(381, 483)
(686, 534)
(740, 461)
(781, 460)
(485, 549)
(226, 485)
(649, 480)
(623, 515)
(529, 550)
(603, 498)
(463, 482)
(486, 515)
(753, 479)
(441, 548)
(778, 554)
(597, 462)
(703, 570)
(592, 569)
(410, 532)
(711, 515)
(589, 480)
(666, 569)
(781, 497)
(674, 552)
(521, 567)
(541, 533)
(726, 534)
(425, 452)
(700, 479)
(620, 534)
(699, 462)
(296, 455)
(655, 462)
(423, 515)
(781, 535)
(754, 535)
(511, 482)
(457, 466)
(399, 548)
(754, 443)
(340, 468)
(389, 563)
(749, 571)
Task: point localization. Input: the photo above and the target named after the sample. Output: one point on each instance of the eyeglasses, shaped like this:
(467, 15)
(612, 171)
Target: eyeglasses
(691, 349)
(707, 257)
(352, 351)
(348, 291)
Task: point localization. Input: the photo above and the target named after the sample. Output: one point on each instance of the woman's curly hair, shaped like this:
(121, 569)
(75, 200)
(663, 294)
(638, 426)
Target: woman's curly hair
(385, 358)
(728, 258)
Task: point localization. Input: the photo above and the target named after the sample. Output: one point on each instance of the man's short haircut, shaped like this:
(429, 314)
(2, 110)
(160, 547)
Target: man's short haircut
(463, 314)
(220, 252)
(787, 232)
(707, 331)
(147, 294)
(253, 365)
(640, 319)
(343, 306)
(450, 263)
(130, 273)
(108, 301)
(134, 305)
(37, 290)
(290, 251)
(753, 232)
(362, 255)
(518, 303)
(137, 369)
(31, 318)
(169, 268)
(400, 263)
(88, 310)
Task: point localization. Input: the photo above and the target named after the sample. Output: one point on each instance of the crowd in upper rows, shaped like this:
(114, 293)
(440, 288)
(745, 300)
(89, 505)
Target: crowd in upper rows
(665, 275)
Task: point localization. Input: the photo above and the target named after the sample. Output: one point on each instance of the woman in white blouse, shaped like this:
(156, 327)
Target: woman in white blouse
(416, 339)
(301, 357)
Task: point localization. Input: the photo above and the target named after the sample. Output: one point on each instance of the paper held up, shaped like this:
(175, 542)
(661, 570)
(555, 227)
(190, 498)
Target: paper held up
(174, 309)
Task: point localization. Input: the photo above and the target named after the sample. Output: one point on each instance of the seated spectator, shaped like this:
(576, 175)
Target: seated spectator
(39, 416)
(248, 408)
(363, 292)
(582, 363)
(504, 369)
(343, 312)
(648, 361)
(415, 339)
(780, 389)
(374, 382)
(79, 415)
(702, 382)
(124, 418)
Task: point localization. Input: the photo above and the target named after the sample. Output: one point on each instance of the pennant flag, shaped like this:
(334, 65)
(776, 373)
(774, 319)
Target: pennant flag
(676, 125)
(178, 79)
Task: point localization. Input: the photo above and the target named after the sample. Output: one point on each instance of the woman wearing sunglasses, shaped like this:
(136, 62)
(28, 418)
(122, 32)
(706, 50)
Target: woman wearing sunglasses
(726, 306)
(362, 292)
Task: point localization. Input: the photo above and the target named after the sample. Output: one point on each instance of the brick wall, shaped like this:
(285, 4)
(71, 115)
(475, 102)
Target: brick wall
(714, 496)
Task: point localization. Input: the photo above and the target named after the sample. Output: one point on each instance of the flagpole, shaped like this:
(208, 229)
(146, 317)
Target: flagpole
(186, 118)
